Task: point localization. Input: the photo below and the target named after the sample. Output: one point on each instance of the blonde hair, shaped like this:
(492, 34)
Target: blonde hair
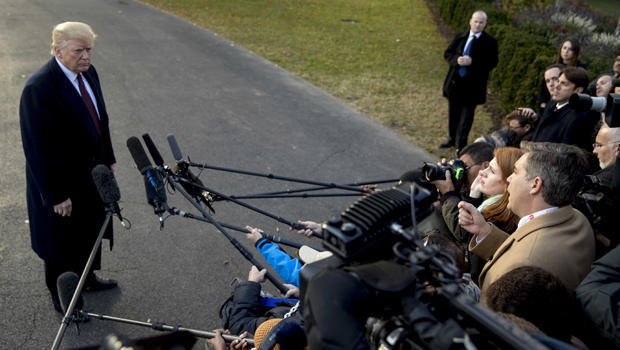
(66, 31)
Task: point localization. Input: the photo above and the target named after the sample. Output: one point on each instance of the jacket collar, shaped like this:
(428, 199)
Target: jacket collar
(551, 219)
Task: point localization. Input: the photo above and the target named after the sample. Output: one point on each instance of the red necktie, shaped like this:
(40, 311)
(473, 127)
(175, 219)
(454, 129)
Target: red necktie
(89, 103)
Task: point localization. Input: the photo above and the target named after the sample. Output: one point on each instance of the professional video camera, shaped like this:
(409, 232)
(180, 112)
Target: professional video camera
(456, 167)
(610, 105)
(383, 288)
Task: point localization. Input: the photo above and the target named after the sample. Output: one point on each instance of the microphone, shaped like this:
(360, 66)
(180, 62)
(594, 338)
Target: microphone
(66, 285)
(108, 189)
(182, 169)
(153, 182)
(159, 161)
(174, 147)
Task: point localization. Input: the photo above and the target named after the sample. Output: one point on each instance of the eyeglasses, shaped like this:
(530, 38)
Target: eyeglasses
(473, 165)
(597, 145)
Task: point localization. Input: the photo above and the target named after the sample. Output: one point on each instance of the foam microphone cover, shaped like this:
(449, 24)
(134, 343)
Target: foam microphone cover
(174, 147)
(66, 284)
(157, 159)
(413, 176)
(137, 153)
(106, 184)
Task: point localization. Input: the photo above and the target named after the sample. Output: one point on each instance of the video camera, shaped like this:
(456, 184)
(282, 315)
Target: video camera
(373, 291)
(610, 105)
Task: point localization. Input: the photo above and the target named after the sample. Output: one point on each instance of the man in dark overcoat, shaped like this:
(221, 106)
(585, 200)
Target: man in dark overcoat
(471, 55)
(65, 134)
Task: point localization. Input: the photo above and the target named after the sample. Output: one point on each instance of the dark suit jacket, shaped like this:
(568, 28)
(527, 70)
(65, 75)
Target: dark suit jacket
(61, 146)
(484, 57)
(564, 126)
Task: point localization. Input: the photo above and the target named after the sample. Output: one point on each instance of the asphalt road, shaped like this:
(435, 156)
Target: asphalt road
(227, 107)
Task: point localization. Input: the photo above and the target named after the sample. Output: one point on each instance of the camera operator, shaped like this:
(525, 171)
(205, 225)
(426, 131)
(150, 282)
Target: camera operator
(551, 234)
(597, 200)
(476, 156)
(444, 218)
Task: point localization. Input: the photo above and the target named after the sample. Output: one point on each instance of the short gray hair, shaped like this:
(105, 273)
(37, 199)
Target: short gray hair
(561, 168)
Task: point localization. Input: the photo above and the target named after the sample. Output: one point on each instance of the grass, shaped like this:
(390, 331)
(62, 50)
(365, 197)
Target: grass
(383, 58)
(612, 6)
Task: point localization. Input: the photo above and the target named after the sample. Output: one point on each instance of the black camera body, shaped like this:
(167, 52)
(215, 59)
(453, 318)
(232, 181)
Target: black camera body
(456, 167)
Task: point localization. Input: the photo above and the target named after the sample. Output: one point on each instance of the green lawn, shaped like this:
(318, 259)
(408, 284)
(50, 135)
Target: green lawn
(610, 6)
(383, 58)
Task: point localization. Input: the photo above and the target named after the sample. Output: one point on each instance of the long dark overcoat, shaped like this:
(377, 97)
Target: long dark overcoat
(62, 146)
(484, 57)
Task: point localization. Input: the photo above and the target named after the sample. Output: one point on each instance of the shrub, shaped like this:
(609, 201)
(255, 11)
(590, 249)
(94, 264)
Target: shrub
(523, 58)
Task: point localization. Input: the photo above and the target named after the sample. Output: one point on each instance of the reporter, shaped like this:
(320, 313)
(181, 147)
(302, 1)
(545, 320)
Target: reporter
(492, 182)
(285, 266)
(247, 312)
(551, 234)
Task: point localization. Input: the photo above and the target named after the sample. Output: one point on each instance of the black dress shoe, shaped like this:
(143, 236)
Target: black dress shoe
(447, 144)
(56, 303)
(94, 283)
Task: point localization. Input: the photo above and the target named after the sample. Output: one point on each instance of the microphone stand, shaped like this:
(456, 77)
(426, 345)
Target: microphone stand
(272, 238)
(163, 327)
(303, 195)
(173, 179)
(78, 290)
(319, 188)
(232, 239)
(276, 177)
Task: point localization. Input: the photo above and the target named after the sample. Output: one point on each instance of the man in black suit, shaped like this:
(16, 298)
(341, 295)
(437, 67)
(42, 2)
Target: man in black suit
(471, 55)
(560, 123)
(65, 134)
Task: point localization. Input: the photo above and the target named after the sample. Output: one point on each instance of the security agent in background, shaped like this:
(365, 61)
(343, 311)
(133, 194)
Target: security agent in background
(65, 134)
(471, 56)
(597, 200)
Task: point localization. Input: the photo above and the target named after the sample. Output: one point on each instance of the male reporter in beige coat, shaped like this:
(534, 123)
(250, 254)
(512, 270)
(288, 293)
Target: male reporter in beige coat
(551, 234)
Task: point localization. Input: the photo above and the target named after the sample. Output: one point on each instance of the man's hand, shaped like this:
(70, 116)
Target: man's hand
(64, 208)
(292, 292)
(113, 167)
(218, 342)
(464, 61)
(242, 344)
(444, 186)
(254, 235)
(527, 112)
(310, 227)
(257, 276)
(472, 220)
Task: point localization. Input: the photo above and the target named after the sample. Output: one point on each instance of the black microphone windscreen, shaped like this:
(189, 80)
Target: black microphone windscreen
(413, 176)
(66, 284)
(137, 153)
(106, 184)
(157, 159)
(174, 147)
